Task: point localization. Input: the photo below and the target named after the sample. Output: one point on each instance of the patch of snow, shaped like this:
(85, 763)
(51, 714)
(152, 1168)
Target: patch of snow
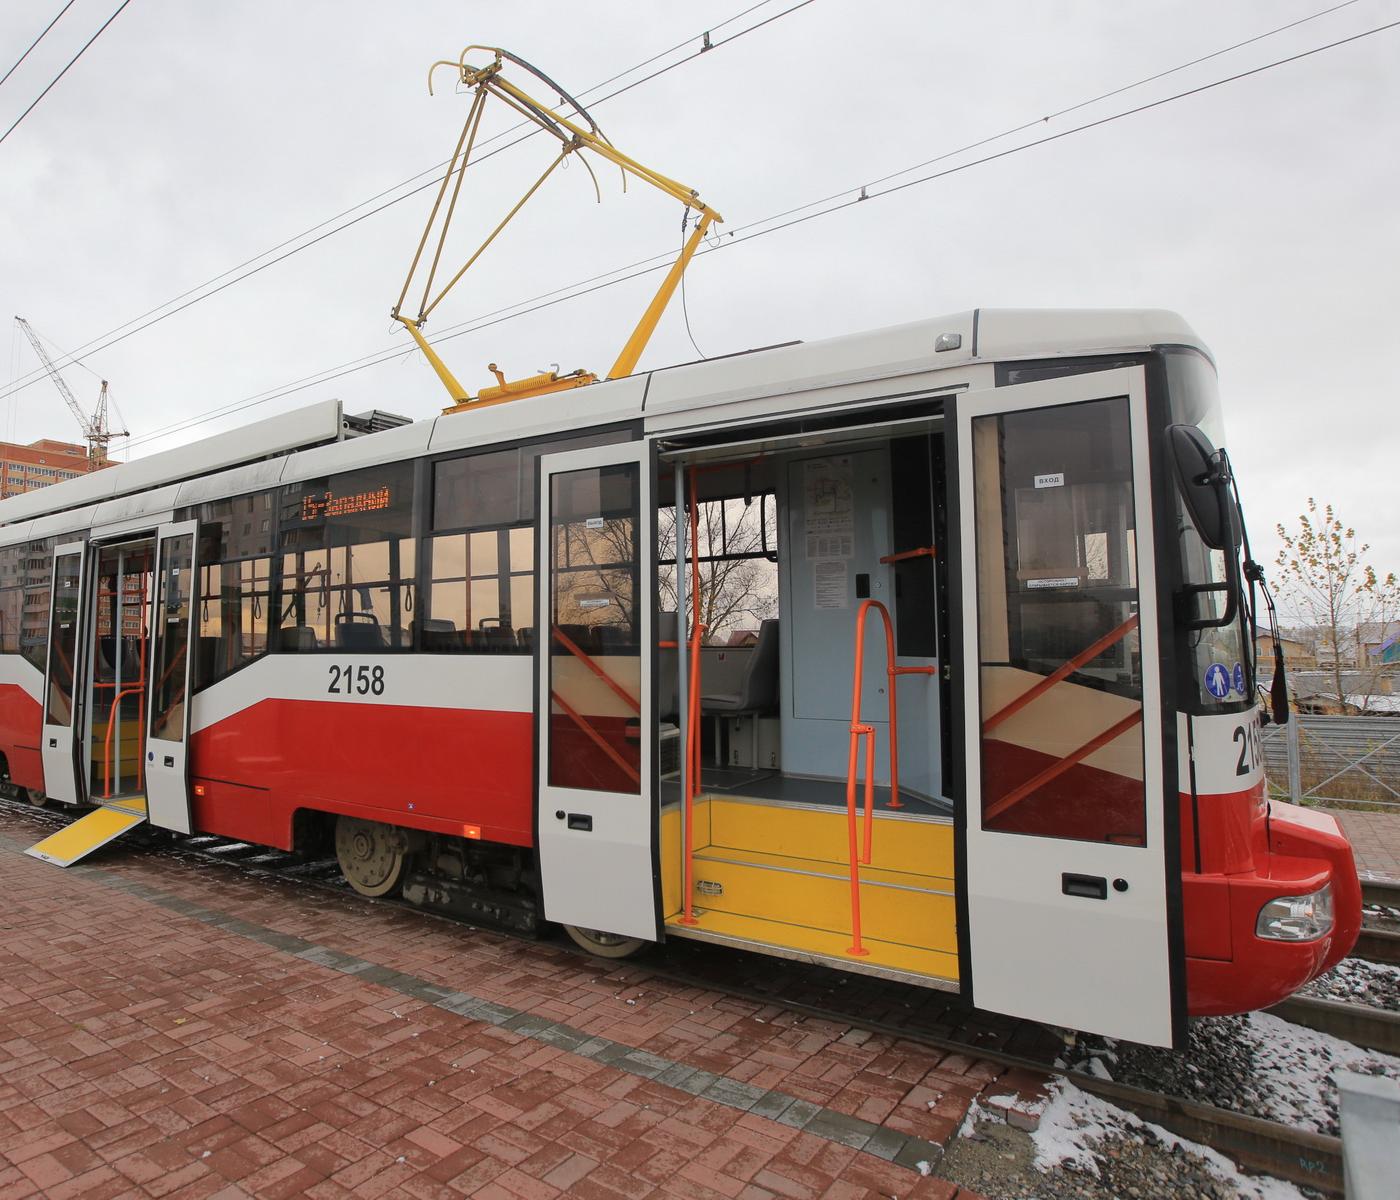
(1075, 1123)
(1295, 1066)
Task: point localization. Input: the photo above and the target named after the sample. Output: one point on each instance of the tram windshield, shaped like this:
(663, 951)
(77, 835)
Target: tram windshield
(1218, 660)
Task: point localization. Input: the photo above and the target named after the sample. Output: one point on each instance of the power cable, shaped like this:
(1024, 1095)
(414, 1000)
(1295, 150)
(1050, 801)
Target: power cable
(36, 41)
(583, 289)
(64, 72)
(107, 339)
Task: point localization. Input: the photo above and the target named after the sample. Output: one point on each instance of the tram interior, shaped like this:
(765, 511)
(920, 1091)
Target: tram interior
(791, 543)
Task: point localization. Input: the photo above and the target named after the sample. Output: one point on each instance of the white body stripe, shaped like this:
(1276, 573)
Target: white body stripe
(495, 682)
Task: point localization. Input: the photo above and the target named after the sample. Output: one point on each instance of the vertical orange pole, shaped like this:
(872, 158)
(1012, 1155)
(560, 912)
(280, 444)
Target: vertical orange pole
(869, 791)
(692, 744)
(893, 674)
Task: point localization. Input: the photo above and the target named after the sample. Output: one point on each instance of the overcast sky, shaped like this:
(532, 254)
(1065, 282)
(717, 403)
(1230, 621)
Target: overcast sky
(193, 137)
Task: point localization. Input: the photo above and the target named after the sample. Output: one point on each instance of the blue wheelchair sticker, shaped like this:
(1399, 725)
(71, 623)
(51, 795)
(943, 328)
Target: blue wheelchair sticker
(1217, 681)
(1237, 678)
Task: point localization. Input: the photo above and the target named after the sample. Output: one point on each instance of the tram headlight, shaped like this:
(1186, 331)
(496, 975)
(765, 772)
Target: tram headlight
(1296, 918)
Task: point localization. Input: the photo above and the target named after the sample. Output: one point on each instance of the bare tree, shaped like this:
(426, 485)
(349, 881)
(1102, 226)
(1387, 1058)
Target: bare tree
(738, 578)
(1325, 583)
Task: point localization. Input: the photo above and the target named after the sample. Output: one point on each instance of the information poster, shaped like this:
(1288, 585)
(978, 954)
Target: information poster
(830, 583)
(829, 510)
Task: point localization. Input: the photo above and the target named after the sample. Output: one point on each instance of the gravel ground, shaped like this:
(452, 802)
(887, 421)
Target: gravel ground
(1254, 1064)
(1087, 1149)
(1356, 981)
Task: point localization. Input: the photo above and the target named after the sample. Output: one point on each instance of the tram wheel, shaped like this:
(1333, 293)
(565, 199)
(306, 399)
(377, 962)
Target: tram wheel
(35, 796)
(371, 855)
(604, 945)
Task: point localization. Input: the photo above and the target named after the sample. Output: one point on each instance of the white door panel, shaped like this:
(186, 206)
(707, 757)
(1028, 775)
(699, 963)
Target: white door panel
(597, 810)
(1065, 807)
(68, 636)
(173, 631)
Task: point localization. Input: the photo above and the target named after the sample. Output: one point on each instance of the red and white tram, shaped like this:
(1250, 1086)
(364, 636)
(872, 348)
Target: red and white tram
(451, 649)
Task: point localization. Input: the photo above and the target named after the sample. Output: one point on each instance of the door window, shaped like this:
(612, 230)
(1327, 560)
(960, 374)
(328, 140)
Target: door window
(64, 639)
(594, 649)
(172, 637)
(1060, 657)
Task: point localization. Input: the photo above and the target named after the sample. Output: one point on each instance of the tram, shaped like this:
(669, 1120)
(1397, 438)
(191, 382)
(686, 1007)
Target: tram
(983, 718)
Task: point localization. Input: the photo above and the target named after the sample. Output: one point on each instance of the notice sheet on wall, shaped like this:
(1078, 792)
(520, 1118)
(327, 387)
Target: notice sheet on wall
(830, 583)
(829, 508)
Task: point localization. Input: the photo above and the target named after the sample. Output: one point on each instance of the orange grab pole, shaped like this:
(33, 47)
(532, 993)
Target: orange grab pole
(692, 722)
(588, 661)
(1060, 766)
(1067, 668)
(867, 732)
(597, 738)
(133, 690)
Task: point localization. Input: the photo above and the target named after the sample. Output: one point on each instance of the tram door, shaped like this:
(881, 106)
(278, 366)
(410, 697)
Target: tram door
(597, 810)
(63, 778)
(168, 713)
(1063, 805)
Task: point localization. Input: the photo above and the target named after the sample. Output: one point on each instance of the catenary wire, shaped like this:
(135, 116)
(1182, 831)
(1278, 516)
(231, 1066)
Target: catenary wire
(588, 287)
(191, 298)
(64, 72)
(35, 42)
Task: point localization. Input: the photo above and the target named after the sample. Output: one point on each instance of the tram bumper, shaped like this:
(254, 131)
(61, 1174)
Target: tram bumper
(1245, 949)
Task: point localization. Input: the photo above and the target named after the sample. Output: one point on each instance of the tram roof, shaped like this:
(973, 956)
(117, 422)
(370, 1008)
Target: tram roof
(321, 438)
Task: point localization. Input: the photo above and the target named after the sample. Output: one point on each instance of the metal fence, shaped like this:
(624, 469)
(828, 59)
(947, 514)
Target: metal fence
(1348, 761)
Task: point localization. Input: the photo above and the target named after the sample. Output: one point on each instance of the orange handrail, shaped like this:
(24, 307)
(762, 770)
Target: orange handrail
(1067, 668)
(598, 739)
(867, 732)
(1060, 766)
(692, 721)
(587, 659)
(107, 743)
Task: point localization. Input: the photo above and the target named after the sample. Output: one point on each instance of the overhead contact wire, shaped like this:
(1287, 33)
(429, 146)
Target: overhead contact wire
(490, 319)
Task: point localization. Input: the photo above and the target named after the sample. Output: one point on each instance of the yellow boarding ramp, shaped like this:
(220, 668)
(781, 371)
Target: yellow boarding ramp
(91, 832)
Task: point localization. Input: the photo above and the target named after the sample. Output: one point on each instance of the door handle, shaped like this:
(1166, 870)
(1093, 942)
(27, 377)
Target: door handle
(1091, 887)
(169, 760)
(53, 743)
(583, 821)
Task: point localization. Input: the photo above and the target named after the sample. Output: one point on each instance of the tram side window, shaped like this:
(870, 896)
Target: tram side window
(11, 597)
(481, 555)
(348, 562)
(1061, 662)
(37, 566)
(235, 582)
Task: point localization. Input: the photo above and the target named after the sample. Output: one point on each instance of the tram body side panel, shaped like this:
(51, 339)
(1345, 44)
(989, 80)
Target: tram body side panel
(439, 743)
(1252, 850)
(21, 719)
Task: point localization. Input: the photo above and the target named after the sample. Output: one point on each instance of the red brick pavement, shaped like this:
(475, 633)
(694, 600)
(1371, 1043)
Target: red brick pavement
(1375, 840)
(145, 1052)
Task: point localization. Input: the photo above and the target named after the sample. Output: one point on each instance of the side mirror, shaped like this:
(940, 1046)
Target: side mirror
(1203, 474)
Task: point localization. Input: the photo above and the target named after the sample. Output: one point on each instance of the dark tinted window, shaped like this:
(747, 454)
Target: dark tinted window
(347, 561)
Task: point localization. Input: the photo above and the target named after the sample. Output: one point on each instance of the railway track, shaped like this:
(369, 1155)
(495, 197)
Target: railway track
(911, 1014)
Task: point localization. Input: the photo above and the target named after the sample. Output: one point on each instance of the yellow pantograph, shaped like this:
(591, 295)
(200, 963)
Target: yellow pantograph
(572, 136)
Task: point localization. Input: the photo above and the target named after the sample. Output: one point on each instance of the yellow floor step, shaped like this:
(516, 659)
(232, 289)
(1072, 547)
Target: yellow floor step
(91, 832)
(916, 964)
(896, 907)
(900, 842)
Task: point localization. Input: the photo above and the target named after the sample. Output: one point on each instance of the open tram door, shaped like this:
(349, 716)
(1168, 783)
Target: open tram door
(64, 779)
(596, 813)
(168, 713)
(1069, 879)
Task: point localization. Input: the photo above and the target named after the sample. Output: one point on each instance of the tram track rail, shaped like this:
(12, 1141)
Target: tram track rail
(932, 1020)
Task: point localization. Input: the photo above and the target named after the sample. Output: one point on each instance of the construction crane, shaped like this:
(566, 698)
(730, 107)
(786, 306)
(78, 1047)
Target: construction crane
(573, 136)
(95, 430)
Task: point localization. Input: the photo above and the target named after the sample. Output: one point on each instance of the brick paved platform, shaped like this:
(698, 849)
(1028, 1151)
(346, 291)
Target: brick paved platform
(176, 1029)
(1375, 840)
